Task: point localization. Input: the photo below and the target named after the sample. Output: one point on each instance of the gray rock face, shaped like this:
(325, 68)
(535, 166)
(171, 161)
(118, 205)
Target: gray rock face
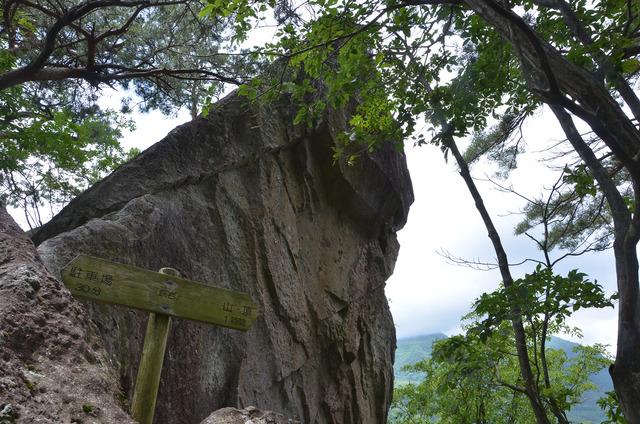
(52, 369)
(246, 201)
(249, 415)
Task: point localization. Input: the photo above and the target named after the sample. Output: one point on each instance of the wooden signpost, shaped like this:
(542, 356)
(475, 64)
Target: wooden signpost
(164, 294)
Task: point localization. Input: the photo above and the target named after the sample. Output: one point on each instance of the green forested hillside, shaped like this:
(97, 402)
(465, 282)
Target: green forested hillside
(414, 349)
(588, 410)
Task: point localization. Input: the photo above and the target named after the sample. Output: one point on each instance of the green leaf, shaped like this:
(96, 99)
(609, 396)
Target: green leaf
(630, 65)
(206, 11)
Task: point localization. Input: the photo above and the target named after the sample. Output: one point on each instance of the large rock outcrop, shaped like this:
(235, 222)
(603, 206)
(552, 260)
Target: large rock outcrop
(53, 369)
(244, 200)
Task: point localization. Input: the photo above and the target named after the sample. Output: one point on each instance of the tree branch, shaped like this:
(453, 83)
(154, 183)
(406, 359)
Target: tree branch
(32, 70)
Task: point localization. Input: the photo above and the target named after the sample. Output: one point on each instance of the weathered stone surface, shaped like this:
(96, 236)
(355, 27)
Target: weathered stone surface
(245, 200)
(249, 415)
(51, 369)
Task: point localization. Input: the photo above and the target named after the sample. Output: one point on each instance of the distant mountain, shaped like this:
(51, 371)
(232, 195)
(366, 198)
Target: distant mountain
(410, 351)
(414, 349)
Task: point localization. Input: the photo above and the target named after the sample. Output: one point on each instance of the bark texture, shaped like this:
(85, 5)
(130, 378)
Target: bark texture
(246, 201)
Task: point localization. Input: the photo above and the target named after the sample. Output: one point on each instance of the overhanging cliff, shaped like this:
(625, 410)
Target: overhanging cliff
(244, 200)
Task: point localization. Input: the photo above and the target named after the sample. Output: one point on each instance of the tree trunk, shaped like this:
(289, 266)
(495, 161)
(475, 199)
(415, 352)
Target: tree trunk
(503, 264)
(554, 78)
(567, 87)
(626, 371)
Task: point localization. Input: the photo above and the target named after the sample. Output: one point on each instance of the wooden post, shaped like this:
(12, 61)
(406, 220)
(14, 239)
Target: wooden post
(145, 391)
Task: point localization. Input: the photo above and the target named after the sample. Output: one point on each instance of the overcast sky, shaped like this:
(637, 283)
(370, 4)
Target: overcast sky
(427, 294)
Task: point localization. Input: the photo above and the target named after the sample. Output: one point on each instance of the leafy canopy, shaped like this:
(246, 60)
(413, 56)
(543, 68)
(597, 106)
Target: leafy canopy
(55, 140)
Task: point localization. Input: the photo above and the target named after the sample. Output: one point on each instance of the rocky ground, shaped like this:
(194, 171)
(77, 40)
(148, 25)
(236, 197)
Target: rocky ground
(52, 368)
(249, 415)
